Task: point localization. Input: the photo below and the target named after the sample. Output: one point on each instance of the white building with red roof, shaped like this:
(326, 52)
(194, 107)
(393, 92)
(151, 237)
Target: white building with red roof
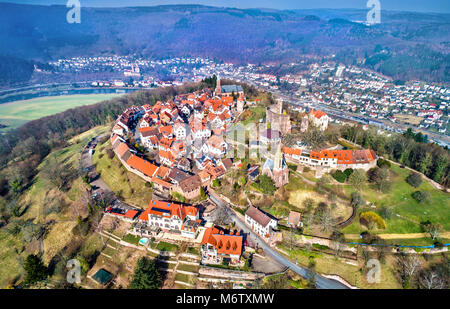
(172, 217)
(319, 119)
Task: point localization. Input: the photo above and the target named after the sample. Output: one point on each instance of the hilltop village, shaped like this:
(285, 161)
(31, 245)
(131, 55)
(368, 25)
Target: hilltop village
(186, 157)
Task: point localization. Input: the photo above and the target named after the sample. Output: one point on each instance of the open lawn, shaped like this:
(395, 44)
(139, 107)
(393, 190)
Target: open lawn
(253, 114)
(408, 213)
(129, 187)
(165, 246)
(409, 119)
(15, 114)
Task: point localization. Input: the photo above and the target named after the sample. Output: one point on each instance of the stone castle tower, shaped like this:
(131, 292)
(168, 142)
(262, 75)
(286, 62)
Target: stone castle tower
(278, 120)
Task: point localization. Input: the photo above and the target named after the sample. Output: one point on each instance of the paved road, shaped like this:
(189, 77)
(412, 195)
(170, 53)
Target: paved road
(321, 282)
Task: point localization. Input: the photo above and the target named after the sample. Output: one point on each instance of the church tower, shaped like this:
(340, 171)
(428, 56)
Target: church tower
(240, 103)
(280, 169)
(218, 86)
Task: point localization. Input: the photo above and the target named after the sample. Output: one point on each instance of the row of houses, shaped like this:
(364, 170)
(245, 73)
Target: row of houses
(333, 159)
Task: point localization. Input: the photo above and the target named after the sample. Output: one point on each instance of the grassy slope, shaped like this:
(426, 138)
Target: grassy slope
(17, 113)
(399, 198)
(131, 188)
(60, 232)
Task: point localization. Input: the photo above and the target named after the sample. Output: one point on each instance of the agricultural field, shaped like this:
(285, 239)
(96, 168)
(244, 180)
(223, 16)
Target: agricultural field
(15, 114)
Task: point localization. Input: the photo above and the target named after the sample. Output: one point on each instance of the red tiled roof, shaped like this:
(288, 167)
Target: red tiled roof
(225, 244)
(168, 209)
(142, 165)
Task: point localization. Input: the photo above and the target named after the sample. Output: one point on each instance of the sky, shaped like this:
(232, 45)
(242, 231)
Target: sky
(442, 6)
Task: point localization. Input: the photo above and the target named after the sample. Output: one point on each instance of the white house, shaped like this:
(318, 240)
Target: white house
(260, 222)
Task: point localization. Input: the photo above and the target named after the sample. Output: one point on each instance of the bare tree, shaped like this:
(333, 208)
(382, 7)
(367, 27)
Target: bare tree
(291, 239)
(327, 221)
(431, 280)
(220, 216)
(408, 266)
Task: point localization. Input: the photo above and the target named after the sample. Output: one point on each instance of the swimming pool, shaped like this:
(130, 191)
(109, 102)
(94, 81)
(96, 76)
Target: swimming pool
(143, 241)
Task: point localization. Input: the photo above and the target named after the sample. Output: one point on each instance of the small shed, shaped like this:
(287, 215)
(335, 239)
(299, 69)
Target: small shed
(294, 218)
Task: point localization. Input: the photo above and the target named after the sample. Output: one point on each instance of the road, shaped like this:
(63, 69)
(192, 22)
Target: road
(321, 282)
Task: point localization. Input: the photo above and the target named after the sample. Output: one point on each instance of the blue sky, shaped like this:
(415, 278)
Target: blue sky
(404, 5)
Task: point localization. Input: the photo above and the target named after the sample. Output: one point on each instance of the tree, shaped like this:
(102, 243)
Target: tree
(370, 219)
(314, 137)
(357, 179)
(266, 184)
(356, 199)
(433, 229)
(414, 179)
(291, 238)
(339, 176)
(421, 196)
(35, 270)
(202, 193)
(308, 203)
(382, 181)
(146, 275)
(215, 183)
(431, 279)
(221, 216)
(408, 265)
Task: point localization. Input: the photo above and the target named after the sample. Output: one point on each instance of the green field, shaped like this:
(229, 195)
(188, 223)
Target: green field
(410, 212)
(17, 113)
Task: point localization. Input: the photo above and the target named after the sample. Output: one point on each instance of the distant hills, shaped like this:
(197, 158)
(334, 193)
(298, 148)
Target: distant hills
(404, 46)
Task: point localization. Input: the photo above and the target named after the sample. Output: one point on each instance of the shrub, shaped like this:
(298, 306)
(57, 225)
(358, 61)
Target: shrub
(179, 197)
(339, 176)
(348, 172)
(369, 218)
(356, 199)
(110, 153)
(414, 179)
(35, 270)
(386, 212)
(383, 163)
(421, 196)
(266, 184)
(216, 183)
